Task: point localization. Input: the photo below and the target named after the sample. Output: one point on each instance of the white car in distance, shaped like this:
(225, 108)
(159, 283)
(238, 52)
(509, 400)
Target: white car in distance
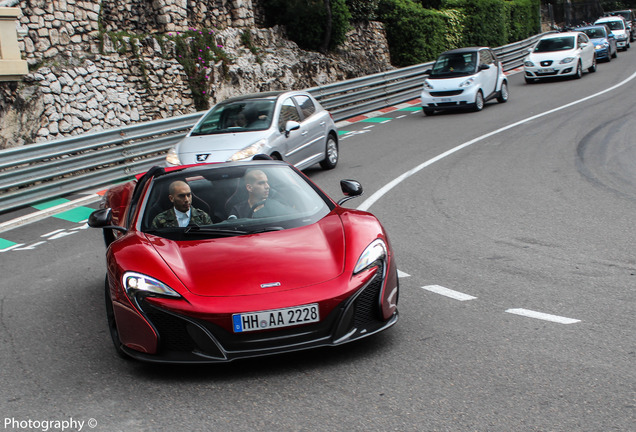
(560, 55)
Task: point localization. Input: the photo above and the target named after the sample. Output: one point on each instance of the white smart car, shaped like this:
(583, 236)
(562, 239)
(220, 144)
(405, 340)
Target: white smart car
(560, 55)
(464, 78)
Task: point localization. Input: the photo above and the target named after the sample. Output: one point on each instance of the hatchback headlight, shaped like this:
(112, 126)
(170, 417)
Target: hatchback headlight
(172, 158)
(376, 251)
(567, 60)
(427, 85)
(249, 151)
(139, 283)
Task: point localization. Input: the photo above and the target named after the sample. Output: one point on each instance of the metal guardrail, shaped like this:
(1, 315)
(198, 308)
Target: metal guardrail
(37, 172)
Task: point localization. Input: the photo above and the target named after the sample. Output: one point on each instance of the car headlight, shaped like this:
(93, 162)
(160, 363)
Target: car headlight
(374, 252)
(622, 37)
(467, 83)
(138, 283)
(248, 151)
(427, 85)
(172, 158)
(567, 60)
(528, 63)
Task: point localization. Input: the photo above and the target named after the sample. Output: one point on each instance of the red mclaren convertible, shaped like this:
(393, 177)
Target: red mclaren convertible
(199, 272)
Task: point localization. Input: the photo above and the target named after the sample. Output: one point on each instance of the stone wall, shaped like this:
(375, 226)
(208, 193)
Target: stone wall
(81, 79)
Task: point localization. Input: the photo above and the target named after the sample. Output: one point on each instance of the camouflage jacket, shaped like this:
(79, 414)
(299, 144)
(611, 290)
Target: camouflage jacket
(168, 219)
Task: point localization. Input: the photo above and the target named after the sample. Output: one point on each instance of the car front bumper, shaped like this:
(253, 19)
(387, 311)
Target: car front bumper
(550, 71)
(449, 99)
(193, 339)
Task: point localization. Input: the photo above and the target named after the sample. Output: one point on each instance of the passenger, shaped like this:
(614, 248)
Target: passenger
(258, 203)
(182, 213)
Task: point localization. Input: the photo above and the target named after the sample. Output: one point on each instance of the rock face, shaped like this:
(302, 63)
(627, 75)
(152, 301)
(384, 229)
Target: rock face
(99, 64)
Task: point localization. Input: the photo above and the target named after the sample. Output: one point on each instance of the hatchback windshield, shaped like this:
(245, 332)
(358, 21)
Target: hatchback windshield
(232, 200)
(455, 65)
(595, 33)
(555, 44)
(238, 116)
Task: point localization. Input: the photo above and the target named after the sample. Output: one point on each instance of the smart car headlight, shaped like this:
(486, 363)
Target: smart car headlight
(172, 158)
(139, 283)
(567, 60)
(467, 83)
(376, 251)
(427, 85)
(248, 151)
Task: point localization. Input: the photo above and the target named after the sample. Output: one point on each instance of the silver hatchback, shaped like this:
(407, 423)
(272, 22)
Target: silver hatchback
(290, 126)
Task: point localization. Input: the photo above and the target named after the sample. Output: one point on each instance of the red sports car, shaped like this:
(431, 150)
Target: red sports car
(211, 263)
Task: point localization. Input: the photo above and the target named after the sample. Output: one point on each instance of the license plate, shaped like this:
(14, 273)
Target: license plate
(546, 70)
(276, 318)
(445, 100)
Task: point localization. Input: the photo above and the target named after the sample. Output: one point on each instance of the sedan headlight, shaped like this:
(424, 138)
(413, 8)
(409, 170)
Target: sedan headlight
(374, 252)
(172, 158)
(138, 283)
(427, 85)
(249, 151)
(567, 60)
(528, 63)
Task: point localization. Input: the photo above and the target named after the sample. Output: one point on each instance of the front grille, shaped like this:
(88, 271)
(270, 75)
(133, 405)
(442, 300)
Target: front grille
(546, 63)
(173, 333)
(446, 104)
(447, 93)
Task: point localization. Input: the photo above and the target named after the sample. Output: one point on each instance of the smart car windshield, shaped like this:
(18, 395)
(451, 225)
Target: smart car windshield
(452, 65)
(237, 116)
(555, 44)
(233, 200)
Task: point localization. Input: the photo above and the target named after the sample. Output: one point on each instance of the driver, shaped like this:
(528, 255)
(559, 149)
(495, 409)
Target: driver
(258, 203)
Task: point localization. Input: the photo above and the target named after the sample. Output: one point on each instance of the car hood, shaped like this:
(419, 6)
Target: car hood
(257, 263)
(552, 55)
(598, 41)
(440, 84)
(219, 147)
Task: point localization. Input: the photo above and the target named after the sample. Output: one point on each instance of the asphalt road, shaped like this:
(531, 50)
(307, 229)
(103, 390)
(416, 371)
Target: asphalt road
(517, 306)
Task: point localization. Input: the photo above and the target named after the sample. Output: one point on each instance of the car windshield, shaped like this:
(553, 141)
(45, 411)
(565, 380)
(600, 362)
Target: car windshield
(625, 14)
(237, 116)
(555, 44)
(233, 200)
(452, 65)
(595, 33)
(615, 25)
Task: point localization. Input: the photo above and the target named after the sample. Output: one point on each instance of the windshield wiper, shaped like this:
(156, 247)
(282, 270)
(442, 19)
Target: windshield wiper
(267, 229)
(196, 229)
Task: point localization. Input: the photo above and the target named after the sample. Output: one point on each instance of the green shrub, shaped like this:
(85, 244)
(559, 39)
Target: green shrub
(363, 10)
(306, 21)
(485, 21)
(524, 19)
(415, 35)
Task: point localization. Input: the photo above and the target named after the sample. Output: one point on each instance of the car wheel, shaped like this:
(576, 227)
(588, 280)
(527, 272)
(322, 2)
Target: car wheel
(479, 101)
(503, 93)
(112, 325)
(331, 154)
(579, 70)
(593, 67)
(428, 111)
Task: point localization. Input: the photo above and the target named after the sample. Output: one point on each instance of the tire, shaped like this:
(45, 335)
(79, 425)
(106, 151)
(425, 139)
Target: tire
(428, 111)
(112, 324)
(331, 154)
(592, 68)
(503, 93)
(479, 101)
(579, 71)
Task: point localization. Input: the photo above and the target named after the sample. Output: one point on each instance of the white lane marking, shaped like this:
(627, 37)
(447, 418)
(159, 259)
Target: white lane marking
(52, 233)
(401, 274)
(386, 188)
(31, 247)
(543, 316)
(437, 289)
(11, 247)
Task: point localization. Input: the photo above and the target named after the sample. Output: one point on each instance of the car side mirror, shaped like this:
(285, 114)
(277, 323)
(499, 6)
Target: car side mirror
(483, 67)
(351, 189)
(103, 218)
(583, 45)
(290, 126)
